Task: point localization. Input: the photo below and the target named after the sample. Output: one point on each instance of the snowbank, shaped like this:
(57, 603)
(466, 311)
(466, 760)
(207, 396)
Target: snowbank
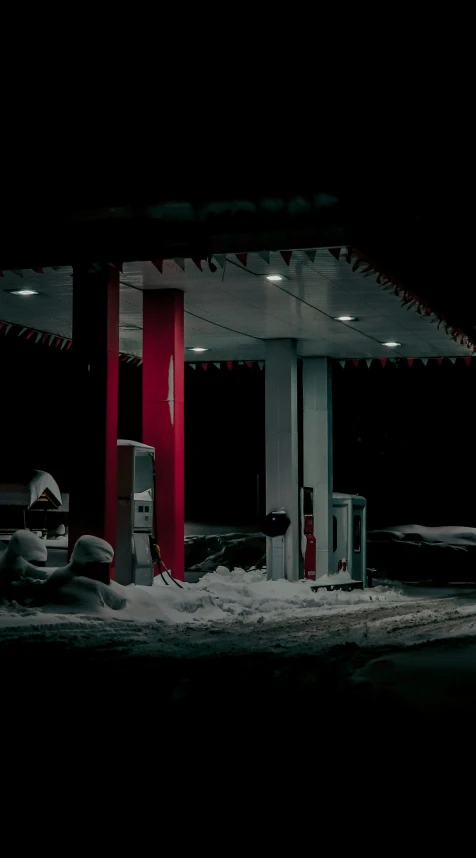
(221, 597)
(418, 533)
(331, 579)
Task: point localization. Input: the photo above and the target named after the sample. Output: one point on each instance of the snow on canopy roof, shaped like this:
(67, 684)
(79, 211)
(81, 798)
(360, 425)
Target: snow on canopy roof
(26, 492)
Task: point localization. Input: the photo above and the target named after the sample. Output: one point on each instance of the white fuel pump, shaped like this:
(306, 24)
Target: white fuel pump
(135, 513)
(350, 536)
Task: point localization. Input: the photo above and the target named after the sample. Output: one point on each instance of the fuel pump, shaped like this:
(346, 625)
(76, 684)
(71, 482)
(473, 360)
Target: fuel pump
(308, 541)
(135, 554)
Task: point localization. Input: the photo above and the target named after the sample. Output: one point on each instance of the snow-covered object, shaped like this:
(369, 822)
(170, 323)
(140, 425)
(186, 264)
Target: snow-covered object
(41, 482)
(22, 581)
(87, 550)
(26, 544)
(26, 493)
(417, 533)
(91, 549)
(15, 562)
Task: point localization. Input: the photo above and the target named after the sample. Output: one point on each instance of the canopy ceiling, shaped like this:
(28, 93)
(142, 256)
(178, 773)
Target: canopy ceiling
(415, 233)
(230, 312)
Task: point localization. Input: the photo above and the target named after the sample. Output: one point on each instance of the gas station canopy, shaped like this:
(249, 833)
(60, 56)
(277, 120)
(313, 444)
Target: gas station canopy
(228, 275)
(231, 310)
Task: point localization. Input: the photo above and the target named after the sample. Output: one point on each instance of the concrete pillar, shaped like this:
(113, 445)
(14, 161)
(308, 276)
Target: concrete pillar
(317, 453)
(282, 452)
(163, 416)
(94, 389)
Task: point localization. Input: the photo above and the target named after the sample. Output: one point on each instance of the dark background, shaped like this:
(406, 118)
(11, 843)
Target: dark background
(403, 439)
(402, 436)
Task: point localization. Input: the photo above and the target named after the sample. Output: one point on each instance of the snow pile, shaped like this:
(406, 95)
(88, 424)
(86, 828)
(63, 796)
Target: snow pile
(239, 576)
(26, 544)
(22, 581)
(250, 596)
(15, 565)
(416, 534)
(221, 597)
(331, 579)
(92, 549)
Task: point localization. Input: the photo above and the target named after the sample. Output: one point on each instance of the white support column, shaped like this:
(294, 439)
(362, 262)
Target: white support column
(282, 489)
(317, 453)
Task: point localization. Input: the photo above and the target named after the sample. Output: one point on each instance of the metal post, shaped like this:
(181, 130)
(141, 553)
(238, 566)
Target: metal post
(282, 491)
(317, 454)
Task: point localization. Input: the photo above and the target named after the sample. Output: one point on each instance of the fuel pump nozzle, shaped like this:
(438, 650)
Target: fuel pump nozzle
(308, 543)
(157, 558)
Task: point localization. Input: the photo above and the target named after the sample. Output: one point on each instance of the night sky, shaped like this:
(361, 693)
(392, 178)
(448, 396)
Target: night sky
(402, 436)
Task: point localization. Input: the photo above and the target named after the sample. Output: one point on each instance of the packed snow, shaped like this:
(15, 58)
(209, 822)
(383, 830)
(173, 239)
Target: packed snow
(333, 579)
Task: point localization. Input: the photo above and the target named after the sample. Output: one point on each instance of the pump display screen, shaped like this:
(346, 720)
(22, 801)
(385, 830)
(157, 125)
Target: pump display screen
(143, 492)
(144, 474)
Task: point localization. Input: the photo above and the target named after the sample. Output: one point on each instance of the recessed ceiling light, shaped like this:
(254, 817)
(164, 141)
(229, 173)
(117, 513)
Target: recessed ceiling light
(273, 277)
(23, 291)
(391, 345)
(198, 349)
(345, 318)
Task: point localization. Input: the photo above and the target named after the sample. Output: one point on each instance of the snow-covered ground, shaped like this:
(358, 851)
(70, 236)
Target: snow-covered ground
(241, 611)
(234, 648)
(392, 648)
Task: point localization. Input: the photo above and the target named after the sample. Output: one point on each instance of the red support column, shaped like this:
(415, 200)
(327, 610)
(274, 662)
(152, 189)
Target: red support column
(163, 416)
(95, 391)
